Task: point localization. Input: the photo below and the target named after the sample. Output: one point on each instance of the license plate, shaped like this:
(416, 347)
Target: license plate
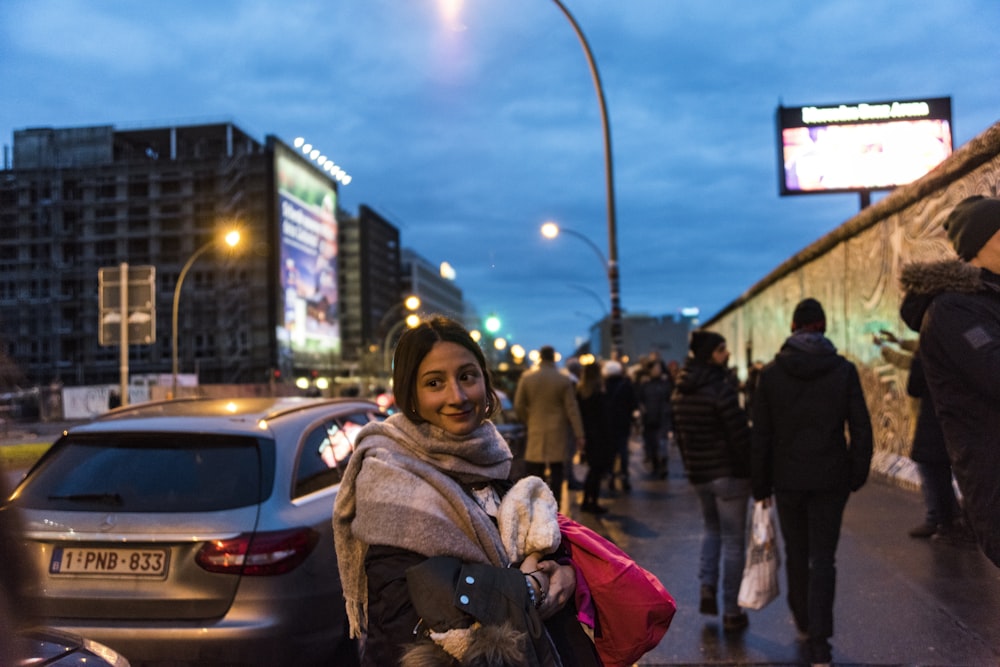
(109, 562)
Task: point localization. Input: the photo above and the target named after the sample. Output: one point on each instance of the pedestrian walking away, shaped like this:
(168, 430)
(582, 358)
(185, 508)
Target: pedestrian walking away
(598, 450)
(656, 413)
(620, 405)
(714, 439)
(545, 400)
(806, 400)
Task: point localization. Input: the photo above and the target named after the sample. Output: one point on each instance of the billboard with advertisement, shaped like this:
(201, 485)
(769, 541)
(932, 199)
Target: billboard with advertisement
(861, 146)
(308, 327)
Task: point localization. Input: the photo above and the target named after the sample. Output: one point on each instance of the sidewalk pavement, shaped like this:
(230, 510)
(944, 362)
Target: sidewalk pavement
(900, 601)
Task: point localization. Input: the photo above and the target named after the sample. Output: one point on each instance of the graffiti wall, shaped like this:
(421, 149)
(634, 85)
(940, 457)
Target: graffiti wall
(854, 271)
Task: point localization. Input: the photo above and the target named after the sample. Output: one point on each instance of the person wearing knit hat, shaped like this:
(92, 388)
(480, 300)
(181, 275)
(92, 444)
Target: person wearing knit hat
(955, 305)
(704, 343)
(971, 224)
(809, 316)
(812, 446)
(713, 435)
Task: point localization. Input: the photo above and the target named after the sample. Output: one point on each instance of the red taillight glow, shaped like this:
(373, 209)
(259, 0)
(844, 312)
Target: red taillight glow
(259, 554)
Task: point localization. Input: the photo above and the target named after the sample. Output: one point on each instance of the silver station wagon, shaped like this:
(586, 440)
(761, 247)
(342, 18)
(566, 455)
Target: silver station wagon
(197, 531)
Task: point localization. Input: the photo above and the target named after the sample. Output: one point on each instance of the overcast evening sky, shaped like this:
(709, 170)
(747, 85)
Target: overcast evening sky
(469, 132)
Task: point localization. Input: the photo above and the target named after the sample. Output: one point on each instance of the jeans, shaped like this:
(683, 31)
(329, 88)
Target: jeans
(724, 502)
(939, 494)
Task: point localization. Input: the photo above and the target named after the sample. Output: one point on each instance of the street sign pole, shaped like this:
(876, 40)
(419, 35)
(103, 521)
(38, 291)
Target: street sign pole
(123, 347)
(127, 305)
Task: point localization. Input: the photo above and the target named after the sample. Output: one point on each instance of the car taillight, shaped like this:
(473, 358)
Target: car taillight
(259, 554)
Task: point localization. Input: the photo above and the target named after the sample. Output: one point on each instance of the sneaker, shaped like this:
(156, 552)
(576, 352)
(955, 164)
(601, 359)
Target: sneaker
(735, 622)
(708, 603)
(923, 531)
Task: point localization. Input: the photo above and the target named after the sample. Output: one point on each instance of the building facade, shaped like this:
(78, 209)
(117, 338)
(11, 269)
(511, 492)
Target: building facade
(80, 201)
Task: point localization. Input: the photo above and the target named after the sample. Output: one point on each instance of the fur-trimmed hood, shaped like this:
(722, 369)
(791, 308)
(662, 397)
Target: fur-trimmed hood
(922, 281)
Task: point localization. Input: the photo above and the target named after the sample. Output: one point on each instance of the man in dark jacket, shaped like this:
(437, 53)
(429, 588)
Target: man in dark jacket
(803, 401)
(714, 438)
(955, 304)
(653, 393)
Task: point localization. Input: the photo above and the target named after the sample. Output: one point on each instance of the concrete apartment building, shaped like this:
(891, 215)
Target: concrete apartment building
(78, 200)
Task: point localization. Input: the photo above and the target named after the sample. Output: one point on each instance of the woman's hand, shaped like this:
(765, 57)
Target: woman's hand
(560, 586)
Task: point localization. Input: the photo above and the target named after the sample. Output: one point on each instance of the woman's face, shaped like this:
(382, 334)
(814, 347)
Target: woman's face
(451, 389)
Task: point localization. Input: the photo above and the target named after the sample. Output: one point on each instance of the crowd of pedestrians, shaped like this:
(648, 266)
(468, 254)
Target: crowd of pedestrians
(797, 434)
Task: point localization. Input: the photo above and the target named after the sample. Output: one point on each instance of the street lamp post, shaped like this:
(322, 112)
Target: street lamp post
(612, 261)
(231, 239)
(550, 230)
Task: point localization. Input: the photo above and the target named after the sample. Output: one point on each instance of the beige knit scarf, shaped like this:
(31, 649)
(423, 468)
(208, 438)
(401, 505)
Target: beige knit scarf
(403, 488)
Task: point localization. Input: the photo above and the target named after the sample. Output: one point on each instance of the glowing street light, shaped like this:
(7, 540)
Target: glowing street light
(551, 230)
(232, 239)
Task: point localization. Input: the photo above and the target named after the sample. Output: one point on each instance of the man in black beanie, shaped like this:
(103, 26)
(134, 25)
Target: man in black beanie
(806, 399)
(955, 305)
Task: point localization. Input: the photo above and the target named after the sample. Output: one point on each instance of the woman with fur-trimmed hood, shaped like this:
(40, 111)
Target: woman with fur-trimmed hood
(955, 305)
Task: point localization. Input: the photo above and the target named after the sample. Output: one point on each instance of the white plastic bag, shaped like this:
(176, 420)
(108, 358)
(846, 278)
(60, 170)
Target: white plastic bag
(760, 574)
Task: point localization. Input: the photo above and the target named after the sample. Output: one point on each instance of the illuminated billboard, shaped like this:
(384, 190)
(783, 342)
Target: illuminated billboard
(863, 146)
(308, 328)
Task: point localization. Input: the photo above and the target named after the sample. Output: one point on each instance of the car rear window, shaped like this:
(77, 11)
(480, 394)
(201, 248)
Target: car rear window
(326, 451)
(144, 472)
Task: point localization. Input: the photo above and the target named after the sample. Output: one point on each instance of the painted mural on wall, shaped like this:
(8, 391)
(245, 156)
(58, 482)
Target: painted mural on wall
(854, 271)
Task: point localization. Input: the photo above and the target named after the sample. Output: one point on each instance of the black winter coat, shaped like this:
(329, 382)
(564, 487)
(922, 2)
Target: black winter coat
(392, 612)
(710, 426)
(654, 401)
(599, 449)
(804, 399)
(620, 403)
(956, 308)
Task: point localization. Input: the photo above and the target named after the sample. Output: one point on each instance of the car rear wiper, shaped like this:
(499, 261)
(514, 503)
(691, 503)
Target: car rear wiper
(109, 498)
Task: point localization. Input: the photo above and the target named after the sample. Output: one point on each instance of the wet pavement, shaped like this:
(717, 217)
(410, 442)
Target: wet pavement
(900, 600)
